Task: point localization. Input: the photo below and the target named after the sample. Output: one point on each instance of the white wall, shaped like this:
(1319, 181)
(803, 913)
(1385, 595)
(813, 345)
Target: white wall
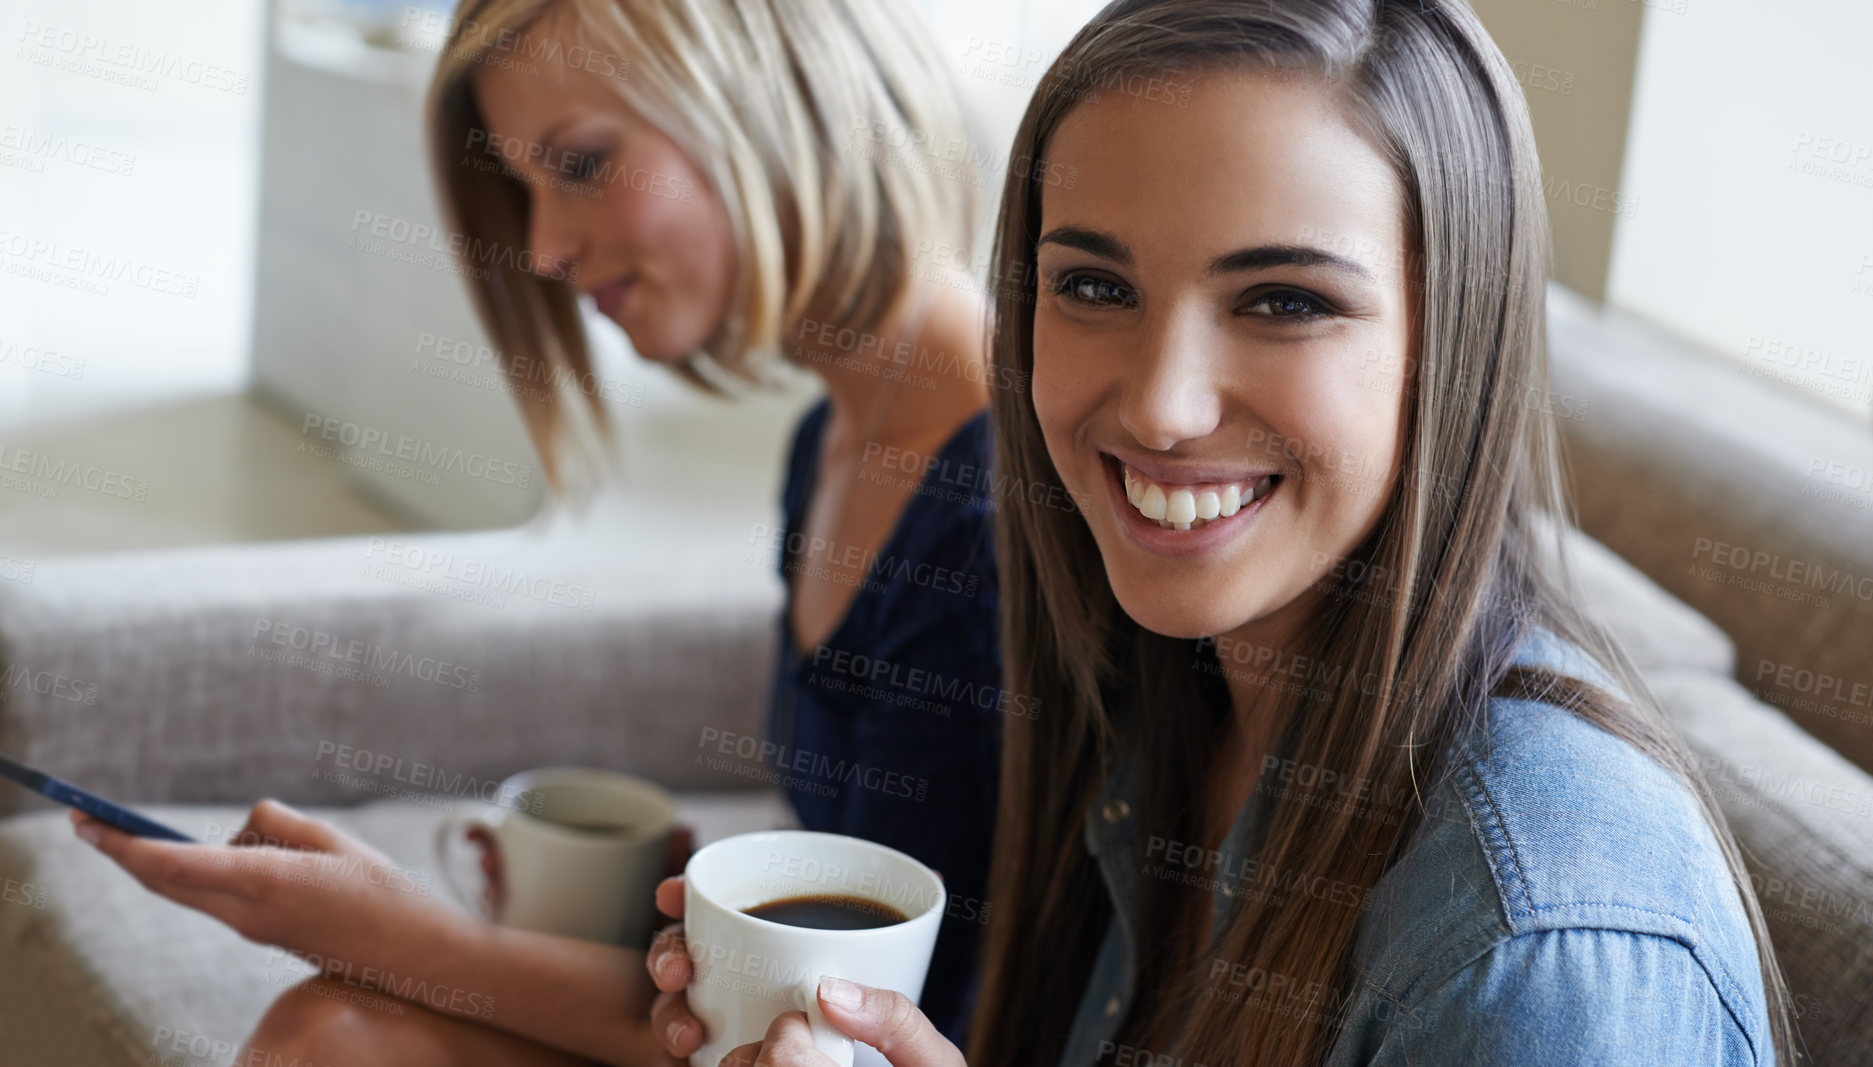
(99, 161)
(998, 50)
(1751, 155)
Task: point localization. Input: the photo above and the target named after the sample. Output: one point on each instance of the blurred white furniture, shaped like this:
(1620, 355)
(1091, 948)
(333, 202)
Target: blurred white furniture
(341, 316)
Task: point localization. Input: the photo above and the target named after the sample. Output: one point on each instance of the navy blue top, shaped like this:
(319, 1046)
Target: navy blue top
(894, 721)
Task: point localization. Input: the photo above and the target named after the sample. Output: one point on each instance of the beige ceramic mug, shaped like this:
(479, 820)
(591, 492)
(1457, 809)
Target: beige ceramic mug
(579, 852)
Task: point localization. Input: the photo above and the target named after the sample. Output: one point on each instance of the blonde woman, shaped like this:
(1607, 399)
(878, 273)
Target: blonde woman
(1336, 771)
(734, 183)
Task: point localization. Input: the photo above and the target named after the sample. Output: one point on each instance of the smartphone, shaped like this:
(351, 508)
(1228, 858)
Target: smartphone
(90, 803)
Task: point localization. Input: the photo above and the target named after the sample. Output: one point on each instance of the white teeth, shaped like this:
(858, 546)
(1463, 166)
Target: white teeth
(1181, 508)
(1151, 505)
(1189, 509)
(1231, 501)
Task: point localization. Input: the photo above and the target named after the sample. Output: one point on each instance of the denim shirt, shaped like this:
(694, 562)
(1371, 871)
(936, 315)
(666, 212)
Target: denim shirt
(1564, 903)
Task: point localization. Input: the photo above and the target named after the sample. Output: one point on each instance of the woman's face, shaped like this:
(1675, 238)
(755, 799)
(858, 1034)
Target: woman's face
(608, 191)
(1221, 346)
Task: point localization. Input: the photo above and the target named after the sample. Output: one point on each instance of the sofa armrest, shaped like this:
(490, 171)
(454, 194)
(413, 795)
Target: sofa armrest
(336, 672)
(1657, 630)
(1803, 817)
(1737, 496)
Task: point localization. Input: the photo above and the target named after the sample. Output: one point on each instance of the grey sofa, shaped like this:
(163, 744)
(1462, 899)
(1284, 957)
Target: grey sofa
(1734, 497)
(192, 719)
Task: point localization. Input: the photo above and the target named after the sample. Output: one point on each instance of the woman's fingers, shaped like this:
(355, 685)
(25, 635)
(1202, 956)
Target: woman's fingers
(273, 823)
(188, 874)
(670, 897)
(881, 1018)
(887, 1021)
(668, 960)
(788, 1043)
(163, 866)
(670, 1019)
(743, 1055)
(291, 897)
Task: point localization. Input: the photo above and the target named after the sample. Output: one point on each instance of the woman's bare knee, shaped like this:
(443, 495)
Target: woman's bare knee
(322, 1022)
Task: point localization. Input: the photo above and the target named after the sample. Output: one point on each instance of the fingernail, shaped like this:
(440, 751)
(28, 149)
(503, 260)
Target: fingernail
(674, 1035)
(89, 831)
(841, 992)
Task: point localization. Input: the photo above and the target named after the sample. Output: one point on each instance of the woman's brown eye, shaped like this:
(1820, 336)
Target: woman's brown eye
(588, 166)
(1289, 304)
(1095, 292)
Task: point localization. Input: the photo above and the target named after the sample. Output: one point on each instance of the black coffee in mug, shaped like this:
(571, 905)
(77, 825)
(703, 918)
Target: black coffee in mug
(828, 911)
(596, 829)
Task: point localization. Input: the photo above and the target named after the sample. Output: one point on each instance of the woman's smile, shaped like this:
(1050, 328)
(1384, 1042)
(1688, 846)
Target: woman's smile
(611, 296)
(1177, 513)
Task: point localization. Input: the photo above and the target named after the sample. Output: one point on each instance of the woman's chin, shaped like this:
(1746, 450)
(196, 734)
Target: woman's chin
(1168, 614)
(661, 347)
(663, 357)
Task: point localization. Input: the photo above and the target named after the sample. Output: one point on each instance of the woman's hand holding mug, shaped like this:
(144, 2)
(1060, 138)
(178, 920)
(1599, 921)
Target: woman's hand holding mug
(668, 962)
(884, 1019)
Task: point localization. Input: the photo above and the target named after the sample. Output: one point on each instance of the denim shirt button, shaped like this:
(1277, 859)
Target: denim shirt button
(1117, 810)
(1113, 1004)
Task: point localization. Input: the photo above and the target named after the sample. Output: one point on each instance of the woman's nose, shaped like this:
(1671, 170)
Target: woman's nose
(556, 234)
(1171, 393)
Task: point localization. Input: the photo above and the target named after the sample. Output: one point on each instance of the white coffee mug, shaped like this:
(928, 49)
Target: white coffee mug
(597, 885)
(748, 970)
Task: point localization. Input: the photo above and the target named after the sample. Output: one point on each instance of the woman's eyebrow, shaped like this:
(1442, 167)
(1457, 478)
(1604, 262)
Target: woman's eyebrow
(1091, 242)
(551, 134)
(1105, 246)
(1286, 256)
(547, 139)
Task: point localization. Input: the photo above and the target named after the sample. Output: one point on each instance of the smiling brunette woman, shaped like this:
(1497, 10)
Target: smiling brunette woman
(1336, 770)
(728, 181)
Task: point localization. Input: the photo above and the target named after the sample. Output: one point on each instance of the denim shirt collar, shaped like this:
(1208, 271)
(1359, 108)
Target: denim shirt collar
(1110, 825)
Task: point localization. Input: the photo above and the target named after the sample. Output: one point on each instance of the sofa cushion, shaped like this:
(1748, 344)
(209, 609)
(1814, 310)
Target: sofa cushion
(1659, 631)
(1804, 819)
(1747, 501)
(260, 670)
(101, 972)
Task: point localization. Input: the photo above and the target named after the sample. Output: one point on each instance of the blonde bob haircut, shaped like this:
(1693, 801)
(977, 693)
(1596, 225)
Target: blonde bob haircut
(826, 126)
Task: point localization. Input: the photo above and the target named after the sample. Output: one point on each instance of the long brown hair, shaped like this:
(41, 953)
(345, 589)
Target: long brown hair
(1466, 557)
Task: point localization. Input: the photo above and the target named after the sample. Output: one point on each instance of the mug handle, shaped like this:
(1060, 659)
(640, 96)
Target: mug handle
(491, 820)
(828, 1039)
